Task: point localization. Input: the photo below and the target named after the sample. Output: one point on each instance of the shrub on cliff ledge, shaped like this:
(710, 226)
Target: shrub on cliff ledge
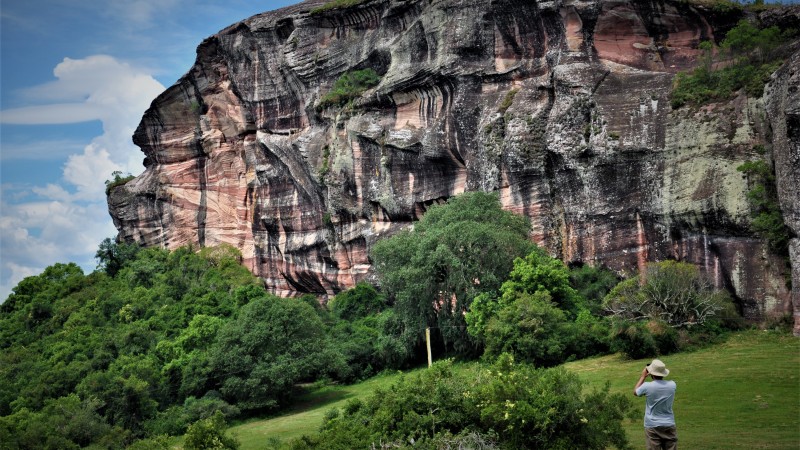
(348, 87)
(750, 56)
(766, 211)
(336, 4)
(118, 180)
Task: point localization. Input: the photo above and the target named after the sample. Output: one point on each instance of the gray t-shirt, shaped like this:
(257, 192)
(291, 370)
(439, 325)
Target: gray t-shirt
(658, 409)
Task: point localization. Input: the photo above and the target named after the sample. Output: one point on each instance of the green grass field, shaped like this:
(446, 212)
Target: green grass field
(741, 394)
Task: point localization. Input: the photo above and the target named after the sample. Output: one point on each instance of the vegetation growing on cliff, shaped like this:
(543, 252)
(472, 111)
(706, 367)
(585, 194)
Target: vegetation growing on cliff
(766, 212)
(348, 87)
(336, 4)
(744, 61)
(117, 180)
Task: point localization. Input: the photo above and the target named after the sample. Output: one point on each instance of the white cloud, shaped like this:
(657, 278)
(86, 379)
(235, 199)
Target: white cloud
(44, 150)
(73, 219)
(57, 113)
(82, 171)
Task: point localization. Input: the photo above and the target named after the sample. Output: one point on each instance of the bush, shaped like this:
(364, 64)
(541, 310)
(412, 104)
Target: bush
(766, 212)
(752, 55)
(644, 339)
(671, 291)
(207, 434)
(531, 328)
(360, 301)
(348, 87)
(118, 180)
(633, 339)
(506, 405)
(592, 284)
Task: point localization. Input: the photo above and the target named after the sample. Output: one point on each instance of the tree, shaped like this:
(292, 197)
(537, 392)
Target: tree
(532, 328)
(272, 344)
(537, 275)
(358, 302)
(671, 291)
(112, 256)
(455, 252)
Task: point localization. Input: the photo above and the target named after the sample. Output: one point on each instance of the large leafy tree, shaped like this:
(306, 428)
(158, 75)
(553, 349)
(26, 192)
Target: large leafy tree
(272, 344)
(455, 252)
(531, 317)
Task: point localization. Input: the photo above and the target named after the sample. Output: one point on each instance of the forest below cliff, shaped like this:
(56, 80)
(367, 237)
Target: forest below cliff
(155, 341)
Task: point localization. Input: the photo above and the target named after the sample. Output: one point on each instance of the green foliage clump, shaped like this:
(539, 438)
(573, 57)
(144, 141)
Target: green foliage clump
(325, 168)
(530, 326)
(457, 251)
(361, 301)
(592, 284)
(507, 101)
(348, 87)
(670, 291)
(766, 212)
(112, 256)
(538, 317)
(272, 344)
(505, 405)
(336, 4)
(115, 349)
(751, 56)
(208, 434)
(117, 180)
(662, 309)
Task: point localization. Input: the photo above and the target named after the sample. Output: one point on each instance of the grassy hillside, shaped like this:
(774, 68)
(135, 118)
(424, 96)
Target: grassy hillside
(744, 393)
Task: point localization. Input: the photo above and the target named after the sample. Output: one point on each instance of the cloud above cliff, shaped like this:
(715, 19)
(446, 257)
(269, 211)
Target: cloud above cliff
(65, 220)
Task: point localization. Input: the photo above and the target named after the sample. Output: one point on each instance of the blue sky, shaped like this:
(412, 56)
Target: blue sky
(75, 78)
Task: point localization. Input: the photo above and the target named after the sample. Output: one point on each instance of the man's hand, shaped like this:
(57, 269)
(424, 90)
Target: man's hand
(642, 377)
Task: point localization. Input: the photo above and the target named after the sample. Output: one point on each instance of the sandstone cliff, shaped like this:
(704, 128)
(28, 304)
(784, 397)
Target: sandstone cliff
(561, 106)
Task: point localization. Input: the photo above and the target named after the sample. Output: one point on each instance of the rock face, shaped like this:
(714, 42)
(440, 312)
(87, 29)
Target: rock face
(561, 107)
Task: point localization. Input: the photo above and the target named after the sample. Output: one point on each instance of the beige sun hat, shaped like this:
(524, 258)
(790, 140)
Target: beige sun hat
(657, 368)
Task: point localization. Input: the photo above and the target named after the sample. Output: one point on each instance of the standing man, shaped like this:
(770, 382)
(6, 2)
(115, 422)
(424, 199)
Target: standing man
(659, 421)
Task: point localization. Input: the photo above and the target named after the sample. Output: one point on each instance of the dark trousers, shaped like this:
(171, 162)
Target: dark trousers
(661, 438)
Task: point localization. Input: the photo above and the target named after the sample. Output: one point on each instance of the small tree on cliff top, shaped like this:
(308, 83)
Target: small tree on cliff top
(455, 252)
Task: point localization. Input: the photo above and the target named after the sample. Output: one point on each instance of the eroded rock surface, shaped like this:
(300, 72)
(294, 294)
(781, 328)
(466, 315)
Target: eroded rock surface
(561, 107)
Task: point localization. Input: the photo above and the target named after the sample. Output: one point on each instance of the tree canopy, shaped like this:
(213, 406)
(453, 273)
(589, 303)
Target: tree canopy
(456, 251)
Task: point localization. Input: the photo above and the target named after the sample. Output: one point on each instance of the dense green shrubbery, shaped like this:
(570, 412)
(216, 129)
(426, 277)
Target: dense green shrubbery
(152, 342)
(538, 316)
(155, 341)
(349, 86)
(206, 434)
(751, 56)
(661, 310)
(504, 406)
